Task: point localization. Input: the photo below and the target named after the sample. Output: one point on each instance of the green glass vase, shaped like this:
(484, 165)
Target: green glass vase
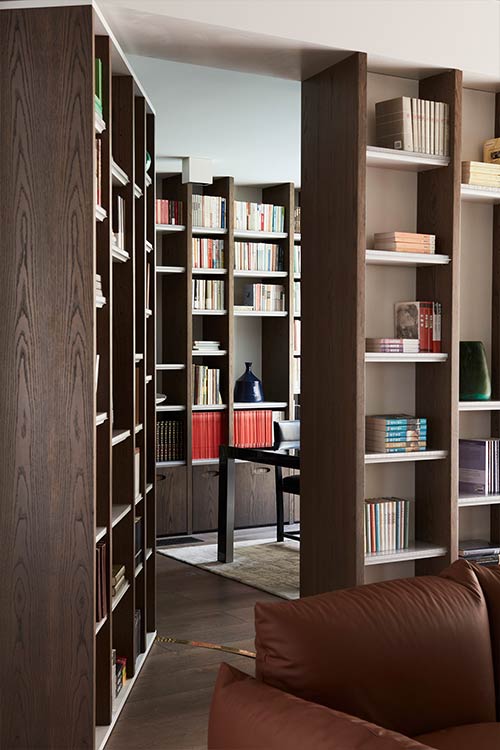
(475, 383)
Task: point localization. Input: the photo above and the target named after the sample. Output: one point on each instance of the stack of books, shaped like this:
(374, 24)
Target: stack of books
(119, 221)
(170, 440)
(205, 347)
(481, 173)
(120, 663)
(387, 524)
(410, 124)
(405, 242)
(209, 211)
(479, 551)
(206, 386)
(98, 87)
(393, 346)
(208, 253)
(395, 433)
(296, 337)
(259, 217)
(420, 321)
(118, 580)
(297, 260)
(208, 434)
(98, 285)
(101, 588)
(98, 171)
(478, 466)
(208, 294)
(168, 212)
(296, 219)
(253, 428)
(258, 256)
(264, 297)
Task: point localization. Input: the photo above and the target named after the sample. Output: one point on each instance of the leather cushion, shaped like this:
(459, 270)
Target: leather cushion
(292, 484)
(470, 737)
(248, 715)
(411, 655)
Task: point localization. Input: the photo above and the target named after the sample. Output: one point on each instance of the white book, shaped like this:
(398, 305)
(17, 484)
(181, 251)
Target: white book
(427, 127)
(421, 125)
(446, 130)
(414, 125)
(433, 128)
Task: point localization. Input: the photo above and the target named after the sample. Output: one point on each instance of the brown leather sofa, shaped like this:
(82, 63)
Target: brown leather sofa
(401, 665)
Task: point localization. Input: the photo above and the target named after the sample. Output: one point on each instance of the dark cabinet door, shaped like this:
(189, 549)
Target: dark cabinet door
(205, 497)
(255, 503)
(171, 501)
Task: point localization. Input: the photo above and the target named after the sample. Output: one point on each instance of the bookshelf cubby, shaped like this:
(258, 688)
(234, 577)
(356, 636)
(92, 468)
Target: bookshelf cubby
(87, 405)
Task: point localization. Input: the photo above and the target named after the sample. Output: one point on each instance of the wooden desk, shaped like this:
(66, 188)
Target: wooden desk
(228, 454)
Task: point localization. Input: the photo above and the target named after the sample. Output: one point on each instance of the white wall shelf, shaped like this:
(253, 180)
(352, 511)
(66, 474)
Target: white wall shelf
(169, 269)
(170, 228)
(209, 312)
(100, 125)
(100, 624)
(297, 237)
(100, 532)
(213, 353)
(470, 501)
(119, 436)
(137, 191)
(149, 246)
(479, 405)
(416, 551)
(261, 313)
(101, 417)
(119, 178)
(100, 213)
(478, 194)
(404, 357)
(209, 231)
(389, 458)
(119, 255)
(169, 464)
(171, 367)
(260, 274)
(171, 407)
(100, 301)
(390, 258)
(209, 407)
(408, 161)
(261, 405)
(211, 271)
(250, 234)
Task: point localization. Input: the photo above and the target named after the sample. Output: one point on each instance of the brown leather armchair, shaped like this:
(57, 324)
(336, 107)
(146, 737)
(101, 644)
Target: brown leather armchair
(400, 665)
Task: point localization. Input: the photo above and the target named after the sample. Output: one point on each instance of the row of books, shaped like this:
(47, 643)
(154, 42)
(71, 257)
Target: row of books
(101, 588)
(259, 217)
(169, 212)
(208, 294)
(297, 259)
(393, 346)
(405, 242)
(481, 173)
(98, 171)
(119, 670)
(395, 433)
(206, 385)
(411, 124)
(420, 321)
(296, 298)
(296, 219)
(253, 428)
(118, 580)
(208, 434)
(479, 466)
(296, 336)
(170, 440)
(264, 297)
(208, 253)
(387, 524)
(119, 221)
(258, 256)
(479, 551)
(209, 211)
(206, 347)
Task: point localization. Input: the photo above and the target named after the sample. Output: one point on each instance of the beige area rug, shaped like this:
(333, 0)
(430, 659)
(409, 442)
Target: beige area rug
(268, 566)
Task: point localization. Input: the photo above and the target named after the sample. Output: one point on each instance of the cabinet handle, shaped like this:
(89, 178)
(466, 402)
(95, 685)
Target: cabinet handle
(261, 470)
(210, 474)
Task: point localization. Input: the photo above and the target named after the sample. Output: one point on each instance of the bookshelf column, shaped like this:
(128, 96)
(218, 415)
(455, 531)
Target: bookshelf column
(495, 333)
(333, 327)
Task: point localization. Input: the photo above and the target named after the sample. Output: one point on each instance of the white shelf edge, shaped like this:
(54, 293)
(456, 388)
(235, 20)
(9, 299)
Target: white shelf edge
(416, 551)
(119, 436)
(209, 312)
(171, 407)
(118, 254)
(119, 178)
(170, 228)
(137, 191)
(404, 357)
(249, 234)
(149, 181)
(100, 532)
(480, 194)
(388, 158)
(171, 367)
(139, 568)
(149, 487)
(386, 458)
(149, 552)
(118, 512)
(138, 428)
(479, 405)
(99, 624)
(149, 378)
(169, 464)
(138, 358)
(169, 269)
(99, 123)
(213, 353)
(261, 405)
(100, 301)
(260, 274)
(101, 417)
(149, 246)
(206, 231)
(209, 407)
(297, 237)
(261, 314)
(209, 271)
(201, 461)
(148, 312)
(100, 213)
(138, 499)
(471, 501)
(115, 600)
(392, 258)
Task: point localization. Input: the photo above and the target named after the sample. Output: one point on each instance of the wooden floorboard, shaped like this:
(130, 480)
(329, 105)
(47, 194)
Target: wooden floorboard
(169, 704)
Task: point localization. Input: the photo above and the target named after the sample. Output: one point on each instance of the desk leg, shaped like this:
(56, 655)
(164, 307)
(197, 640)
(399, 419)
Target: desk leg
(225, 537)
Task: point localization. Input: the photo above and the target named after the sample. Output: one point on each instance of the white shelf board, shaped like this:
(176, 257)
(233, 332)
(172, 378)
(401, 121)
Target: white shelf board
(478, 194)
(138, 428)
(209, 407)
(149, 487)
(209, 312)
(208, 231)
(408, 161)
(211, 271)
(119, 255)
(260, 274)
(137, 191)
(149, 181)
(261, 313)
(386, 458)
(170, 367)
(391, 258)
(261, 405)
(115, 600)
(251, 234)
(102, 733)
(404, 357)
(100, 301)
(201, 461)
(119, 178)
(147, 312)
(100, 213)
(100, 125)
(297, 237)
(297, 275)
(149, 246)
(416, 551)
(170, 228)
(118, 512)
(100, 532)
(101, 417)
(171, 407)
(213, 353)
(119, 436)
(149, 552)
(479, 405)
(160, 398)
(138, 499)
(169, 269)
(99, 624)
(468, 501)
(169, 464)
(149, 378)
(138, 358)
(138, 569)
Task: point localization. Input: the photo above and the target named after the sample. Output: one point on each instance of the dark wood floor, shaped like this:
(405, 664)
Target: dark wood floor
(169, 704)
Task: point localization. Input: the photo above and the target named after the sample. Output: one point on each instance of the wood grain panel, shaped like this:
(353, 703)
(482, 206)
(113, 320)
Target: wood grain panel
(47, 460)
(205, 497)
(333, 308)
(438, 212)
(495, 332)
(255, 495)
(171, 493)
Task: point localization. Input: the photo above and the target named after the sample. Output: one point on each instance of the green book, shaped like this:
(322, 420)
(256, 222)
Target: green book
(98, 81)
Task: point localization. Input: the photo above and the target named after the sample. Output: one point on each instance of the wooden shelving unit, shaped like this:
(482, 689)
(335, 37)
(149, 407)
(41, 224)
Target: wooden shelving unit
(85, 417)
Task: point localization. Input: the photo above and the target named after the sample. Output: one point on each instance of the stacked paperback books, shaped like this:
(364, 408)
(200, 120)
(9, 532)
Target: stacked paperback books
(410, 124)
(119, 221)
(481, 174)
(264, 297)
(205, 347)
(296, 219)
(208, 434)
(420, 321)
(101, 575)
(98, 171)
(168, 212)
(296, 337)
(118, 580)
(405, 242)
(297, 260)
(170, 440)
(479, 464)
(206, 386)
(253, 428)
(258, 256)
(393, 346)
(208, 253)
(259, 217)
(479, 551)
(209, 211)
(208, 294)
(387, 524)
(296, 298)
(395, 433)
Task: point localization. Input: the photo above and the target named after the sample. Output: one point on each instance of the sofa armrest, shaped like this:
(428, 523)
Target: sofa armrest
(247, 714)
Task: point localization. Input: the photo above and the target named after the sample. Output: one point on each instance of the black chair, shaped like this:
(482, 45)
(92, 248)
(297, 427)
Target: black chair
(286, 439)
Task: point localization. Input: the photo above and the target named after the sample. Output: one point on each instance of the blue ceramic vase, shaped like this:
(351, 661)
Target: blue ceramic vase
(248, 387)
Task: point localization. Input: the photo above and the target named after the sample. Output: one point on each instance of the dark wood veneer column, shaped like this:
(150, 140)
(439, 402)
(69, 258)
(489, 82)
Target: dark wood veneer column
(333, 327)
(47, 403)
(495, 333)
